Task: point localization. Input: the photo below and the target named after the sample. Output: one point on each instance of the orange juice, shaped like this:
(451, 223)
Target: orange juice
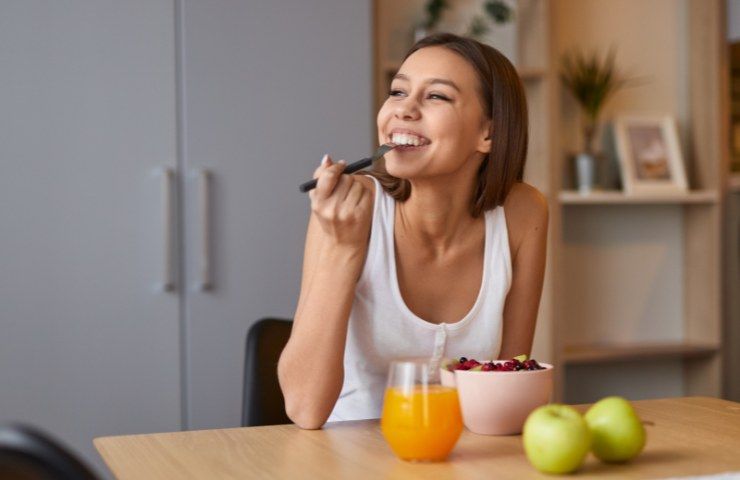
(423, 423)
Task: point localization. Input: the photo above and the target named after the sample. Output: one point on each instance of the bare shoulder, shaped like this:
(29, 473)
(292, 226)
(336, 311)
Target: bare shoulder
(525, 200)
(526, 213)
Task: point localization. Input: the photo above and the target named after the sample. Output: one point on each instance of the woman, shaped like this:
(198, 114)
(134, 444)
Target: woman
(419, 258)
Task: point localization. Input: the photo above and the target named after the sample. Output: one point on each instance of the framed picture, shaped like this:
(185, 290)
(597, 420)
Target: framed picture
(649, 154)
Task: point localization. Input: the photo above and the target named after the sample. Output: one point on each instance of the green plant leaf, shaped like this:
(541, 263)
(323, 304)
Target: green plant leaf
(498, 11)
(591, 81)
(434, 10)
(477, 27)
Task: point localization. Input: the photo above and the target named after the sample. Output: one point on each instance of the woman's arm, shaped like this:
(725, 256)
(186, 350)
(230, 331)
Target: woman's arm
(310, 369)
(527, 218)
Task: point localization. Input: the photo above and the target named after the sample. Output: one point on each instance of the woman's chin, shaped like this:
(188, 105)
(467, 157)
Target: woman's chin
(405, 172)
(404, 166)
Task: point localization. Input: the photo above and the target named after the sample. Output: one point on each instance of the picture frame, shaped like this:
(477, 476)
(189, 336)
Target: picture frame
(649, 154)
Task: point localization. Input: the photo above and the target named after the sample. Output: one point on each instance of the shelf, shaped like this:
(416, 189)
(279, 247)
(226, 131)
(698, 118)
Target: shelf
(733, 182)
(605, 353)
(615, 197)
(532, 73)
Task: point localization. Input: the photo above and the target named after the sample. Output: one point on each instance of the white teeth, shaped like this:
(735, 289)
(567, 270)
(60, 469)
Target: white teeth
(406, 139)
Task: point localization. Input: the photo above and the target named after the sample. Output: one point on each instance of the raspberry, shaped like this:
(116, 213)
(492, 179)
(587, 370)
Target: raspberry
(532, 365)
(471, 363)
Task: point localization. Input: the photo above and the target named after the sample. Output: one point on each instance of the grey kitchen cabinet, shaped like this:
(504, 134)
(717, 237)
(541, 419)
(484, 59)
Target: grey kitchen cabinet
(89, 341)
(151, 153)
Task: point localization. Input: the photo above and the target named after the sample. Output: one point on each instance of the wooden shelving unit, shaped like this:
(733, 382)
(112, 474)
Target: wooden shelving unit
(607, 353)
(631, 277)
(620, 198)
(731, 248)
(639, 277)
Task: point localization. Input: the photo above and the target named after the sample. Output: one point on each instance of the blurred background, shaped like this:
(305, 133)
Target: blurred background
(152, 150)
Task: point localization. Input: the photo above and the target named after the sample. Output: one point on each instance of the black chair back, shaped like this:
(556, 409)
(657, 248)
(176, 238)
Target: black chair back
(263, 400)
(28, 454)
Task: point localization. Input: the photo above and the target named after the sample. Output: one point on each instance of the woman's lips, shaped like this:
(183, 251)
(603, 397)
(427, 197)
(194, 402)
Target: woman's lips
(406, 148)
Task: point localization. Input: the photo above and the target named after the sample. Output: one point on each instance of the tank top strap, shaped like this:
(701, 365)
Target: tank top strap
(382, 209)
(498, 245)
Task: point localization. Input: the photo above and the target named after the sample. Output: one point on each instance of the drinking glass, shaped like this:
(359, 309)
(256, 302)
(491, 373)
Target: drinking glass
(421, 419)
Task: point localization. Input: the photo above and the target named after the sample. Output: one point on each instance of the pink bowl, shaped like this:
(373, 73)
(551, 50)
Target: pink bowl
(498, 403)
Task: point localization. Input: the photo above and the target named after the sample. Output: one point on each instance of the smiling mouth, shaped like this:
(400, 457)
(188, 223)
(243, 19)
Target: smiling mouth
(407, 141)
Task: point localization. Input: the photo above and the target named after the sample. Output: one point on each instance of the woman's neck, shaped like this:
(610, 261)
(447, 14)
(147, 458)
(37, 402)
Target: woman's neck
(437, 213)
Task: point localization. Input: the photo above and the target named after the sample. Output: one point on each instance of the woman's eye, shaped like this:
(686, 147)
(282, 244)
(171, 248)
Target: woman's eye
(432, 96)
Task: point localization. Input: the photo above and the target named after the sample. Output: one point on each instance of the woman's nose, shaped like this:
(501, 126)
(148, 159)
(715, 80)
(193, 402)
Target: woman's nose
(407, 109)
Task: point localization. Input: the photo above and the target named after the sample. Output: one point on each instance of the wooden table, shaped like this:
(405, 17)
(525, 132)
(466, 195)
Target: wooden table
(686, 436)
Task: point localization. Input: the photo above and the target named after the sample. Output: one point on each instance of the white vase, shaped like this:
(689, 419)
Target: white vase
(585, 173)
(420, 32)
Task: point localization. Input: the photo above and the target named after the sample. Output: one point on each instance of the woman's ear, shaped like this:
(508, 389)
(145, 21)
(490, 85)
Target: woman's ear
(484, 139)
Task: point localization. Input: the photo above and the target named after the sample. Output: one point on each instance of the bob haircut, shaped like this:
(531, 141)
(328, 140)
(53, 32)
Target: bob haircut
(504, 103)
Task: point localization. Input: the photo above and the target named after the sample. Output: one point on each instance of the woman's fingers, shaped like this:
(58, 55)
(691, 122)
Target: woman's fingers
(328, 179)
(354, 194)
(326, 161)
(342, 203)
(344, 183)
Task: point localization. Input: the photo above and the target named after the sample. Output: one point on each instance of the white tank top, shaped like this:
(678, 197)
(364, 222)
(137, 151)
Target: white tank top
(382, 327)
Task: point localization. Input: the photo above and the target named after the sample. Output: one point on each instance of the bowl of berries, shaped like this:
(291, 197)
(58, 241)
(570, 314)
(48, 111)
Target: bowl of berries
(497, 396)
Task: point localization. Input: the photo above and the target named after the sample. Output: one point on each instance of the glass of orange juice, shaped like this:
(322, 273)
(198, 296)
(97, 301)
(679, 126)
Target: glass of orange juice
(421, 419)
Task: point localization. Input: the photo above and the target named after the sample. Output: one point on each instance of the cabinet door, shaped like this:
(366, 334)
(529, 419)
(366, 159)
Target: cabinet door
(268, 88)
(88, 343)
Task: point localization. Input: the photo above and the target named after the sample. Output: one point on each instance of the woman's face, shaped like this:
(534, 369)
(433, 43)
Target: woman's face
(433, 103)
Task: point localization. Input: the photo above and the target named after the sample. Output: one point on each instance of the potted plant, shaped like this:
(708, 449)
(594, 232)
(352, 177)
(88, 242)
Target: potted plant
(434, 9)
(591, 81)
(498, 11)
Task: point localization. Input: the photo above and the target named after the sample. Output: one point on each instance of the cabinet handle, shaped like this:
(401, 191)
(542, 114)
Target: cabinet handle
(204, 187)
(168, 214)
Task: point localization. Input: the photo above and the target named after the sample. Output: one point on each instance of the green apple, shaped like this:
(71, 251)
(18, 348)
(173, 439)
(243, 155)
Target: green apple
(617, 432)
(556, 438)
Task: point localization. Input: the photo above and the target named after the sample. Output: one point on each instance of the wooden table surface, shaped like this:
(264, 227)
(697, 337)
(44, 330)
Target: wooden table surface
(686, 436)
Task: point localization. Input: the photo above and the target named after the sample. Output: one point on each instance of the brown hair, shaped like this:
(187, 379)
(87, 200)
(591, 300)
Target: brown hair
(504, 103)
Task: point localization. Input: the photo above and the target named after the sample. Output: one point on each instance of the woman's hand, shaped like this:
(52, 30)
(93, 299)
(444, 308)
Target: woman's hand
(342, 204)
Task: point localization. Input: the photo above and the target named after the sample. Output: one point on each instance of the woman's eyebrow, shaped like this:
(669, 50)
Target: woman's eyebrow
(401, 76)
